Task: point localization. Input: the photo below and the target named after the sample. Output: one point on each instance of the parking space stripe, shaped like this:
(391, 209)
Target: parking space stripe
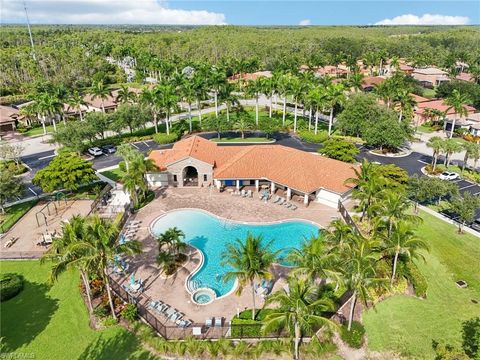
(466, 187)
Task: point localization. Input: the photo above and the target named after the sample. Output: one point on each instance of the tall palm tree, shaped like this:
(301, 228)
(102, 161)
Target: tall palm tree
(297, 88)
(403, 241)
(217, 79)
(254, 88)
(449, 147)
(394, 208)
(127, 152)
(30, 112)
(334, 96)
(75, 101)
(299, 310)
(355, 81)
(104, 244)
(250, 260)
(472, 150)
(125, 95)
(267, 88)
(404, 101)
(314, 259)
(242, 123)
(71, 250)
(318, 98)
(188, 94)
(169, 102)
(100, 91)
(150, 100)
(200, 88)
(436, 144)
(48, 106)
(456, 101)
(358, 270)
(227, 97)
(284, 90)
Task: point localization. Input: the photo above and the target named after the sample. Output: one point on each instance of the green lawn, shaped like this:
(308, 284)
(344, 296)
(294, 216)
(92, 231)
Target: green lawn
(13, 214)
(424, 129)
(52, 322)
(408, 325)
(38, 130)
(115, 174)
(429, 93)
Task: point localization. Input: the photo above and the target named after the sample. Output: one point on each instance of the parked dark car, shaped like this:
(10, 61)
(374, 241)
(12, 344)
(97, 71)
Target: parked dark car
(109, 149)
(476, 225)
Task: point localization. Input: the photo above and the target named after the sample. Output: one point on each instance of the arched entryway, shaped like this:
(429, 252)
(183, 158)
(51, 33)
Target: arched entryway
(190, 176)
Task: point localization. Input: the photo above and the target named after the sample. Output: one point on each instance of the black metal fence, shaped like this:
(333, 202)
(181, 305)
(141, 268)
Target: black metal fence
(172, 332)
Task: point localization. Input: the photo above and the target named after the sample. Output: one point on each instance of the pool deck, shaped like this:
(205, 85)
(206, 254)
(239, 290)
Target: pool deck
(172, 290)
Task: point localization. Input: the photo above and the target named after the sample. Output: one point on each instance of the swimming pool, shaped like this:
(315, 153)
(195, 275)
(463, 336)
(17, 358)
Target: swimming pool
(210, 235)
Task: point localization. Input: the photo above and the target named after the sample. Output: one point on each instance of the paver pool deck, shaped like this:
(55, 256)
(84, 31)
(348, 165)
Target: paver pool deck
(172, 290)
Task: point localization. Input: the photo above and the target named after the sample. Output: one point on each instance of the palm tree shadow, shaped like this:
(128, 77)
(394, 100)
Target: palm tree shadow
(26, 315)
(123, 345)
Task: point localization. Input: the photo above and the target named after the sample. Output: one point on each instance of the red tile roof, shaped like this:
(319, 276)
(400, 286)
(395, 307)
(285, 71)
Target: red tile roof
(440, 105)
(299, 170)
(372, 81)
(464, 77)
(419, 99)
(7, 114)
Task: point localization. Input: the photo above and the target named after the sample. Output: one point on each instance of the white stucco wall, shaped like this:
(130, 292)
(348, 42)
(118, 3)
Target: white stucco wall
(202, 169)
(327, 198)
(157, 179)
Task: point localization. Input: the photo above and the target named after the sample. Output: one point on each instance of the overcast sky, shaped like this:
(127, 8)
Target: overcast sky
(244, 12)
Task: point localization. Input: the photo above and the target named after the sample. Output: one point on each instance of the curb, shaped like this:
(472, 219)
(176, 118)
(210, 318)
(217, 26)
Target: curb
(408, 153)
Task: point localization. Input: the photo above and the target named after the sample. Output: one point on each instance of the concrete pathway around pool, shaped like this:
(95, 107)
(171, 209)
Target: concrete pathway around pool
(172, 290)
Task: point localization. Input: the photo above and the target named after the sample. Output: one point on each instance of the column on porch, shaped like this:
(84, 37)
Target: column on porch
(272, 187)
(305, 199)
(289, 194)
(238, 184)
(257, 185)
(218, 184)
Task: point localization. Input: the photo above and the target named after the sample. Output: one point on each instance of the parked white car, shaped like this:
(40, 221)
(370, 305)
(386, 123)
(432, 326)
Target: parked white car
(95, 151)
(449, 175)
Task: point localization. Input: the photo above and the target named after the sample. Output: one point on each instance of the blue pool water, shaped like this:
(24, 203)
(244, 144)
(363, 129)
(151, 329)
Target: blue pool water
(210, 235)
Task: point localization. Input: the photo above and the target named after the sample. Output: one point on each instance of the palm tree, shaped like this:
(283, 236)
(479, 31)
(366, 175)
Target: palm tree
(358, 270)
(267, 88)
(284, 89)
(217, 80)
(250, 260)
(242, 123)
(436, 144)
(297, 88)
(355, 81)
(199, 85)
(125, 95)
(71, 250)
(127, 152)
(367, 186)
(104, 245)
(98, 90)
(403, 241)
(405, 102)
(168, 101)
(187, 90)
(334, 96)
(393, 208)
(254, 88)
(227, 97)
(314, 259)
(449, 147)
(150, 99)
(299, 310)
(48, 106)
(317, 97)
(456, 101)
(76, 102)
(472, 150)
(30, 112)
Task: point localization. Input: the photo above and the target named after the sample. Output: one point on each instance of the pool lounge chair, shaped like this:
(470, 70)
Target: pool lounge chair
(218, 321)
(287, 205)
(209, 322)
(281, 202)
(249, 193)
(293, 207)
(277, 199)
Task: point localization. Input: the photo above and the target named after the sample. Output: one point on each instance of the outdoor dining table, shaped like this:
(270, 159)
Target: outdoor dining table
(135, 287)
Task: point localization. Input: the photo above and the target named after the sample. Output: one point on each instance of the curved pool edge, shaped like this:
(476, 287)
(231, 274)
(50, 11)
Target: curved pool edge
(202, 256)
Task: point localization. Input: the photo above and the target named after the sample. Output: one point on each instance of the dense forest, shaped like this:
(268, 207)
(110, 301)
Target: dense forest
(76, 55)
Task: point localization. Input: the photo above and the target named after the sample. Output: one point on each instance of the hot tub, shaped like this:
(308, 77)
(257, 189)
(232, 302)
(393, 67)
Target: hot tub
(203, 296)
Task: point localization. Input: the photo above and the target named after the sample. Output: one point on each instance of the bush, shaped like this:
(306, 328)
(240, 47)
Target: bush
(149, 196)
(100, 311)
(354, 337)
(246, 328)
(418, 281)
(260, 314)
(10, 285)
(109, 321)
(339, 150)
(310, 137)
(161, 138)
(129, 312)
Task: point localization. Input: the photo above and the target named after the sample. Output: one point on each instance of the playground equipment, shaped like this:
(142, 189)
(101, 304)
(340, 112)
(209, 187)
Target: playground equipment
(51, 208)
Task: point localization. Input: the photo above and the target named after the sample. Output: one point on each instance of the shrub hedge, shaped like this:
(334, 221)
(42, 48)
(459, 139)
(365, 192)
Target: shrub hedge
(354, 337)
(162, 138)
(246, 328)
(310, 137)
(10, 285)
(418, 281)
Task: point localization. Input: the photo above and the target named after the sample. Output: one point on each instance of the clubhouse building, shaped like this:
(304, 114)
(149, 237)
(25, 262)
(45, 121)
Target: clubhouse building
(197, 162)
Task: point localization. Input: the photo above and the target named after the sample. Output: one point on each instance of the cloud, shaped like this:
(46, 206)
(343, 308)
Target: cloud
(426, 19)
(105, 12)
(305, 22)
